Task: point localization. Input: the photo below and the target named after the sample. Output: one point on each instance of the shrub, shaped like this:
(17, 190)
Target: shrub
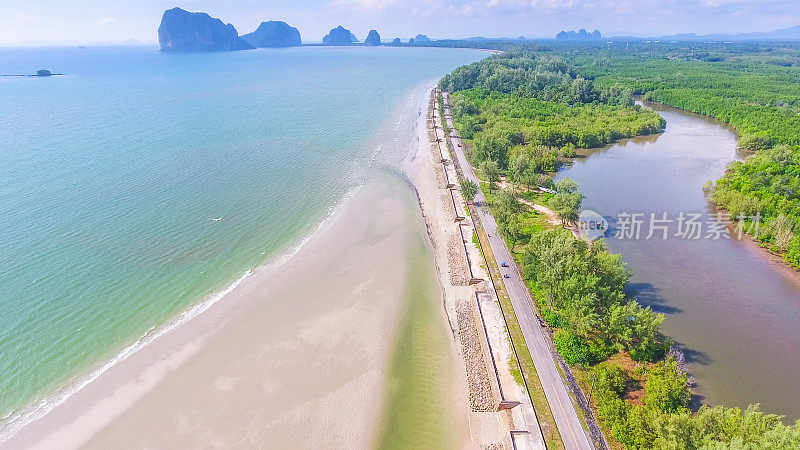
(573, 348)
(568, 151)
(600, 350)
(608, 377)
(649, 350)
(553, 318)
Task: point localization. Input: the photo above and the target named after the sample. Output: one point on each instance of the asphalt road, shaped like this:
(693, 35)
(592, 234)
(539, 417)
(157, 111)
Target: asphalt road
(569, 425)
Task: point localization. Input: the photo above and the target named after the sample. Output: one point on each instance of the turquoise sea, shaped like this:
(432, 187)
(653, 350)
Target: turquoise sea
(141, 183)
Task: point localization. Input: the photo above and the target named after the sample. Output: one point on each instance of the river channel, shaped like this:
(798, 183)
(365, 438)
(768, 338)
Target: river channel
(736, 313)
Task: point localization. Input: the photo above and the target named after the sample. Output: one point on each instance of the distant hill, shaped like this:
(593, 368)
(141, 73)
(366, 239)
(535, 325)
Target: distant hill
(274, 34)
(786, 34)
(580, 35)
(182, 30)
(339, 36)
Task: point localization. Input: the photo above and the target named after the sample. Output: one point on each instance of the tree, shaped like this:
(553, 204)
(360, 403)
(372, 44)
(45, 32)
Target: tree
(630, 327)
(492, 146)
(518, 168)
(567, 201)
(566, 207)
(721, 427)
(491, 171)
(566, 185)
(666, 387)
(511, 229)
(504, 206)
(468, 189)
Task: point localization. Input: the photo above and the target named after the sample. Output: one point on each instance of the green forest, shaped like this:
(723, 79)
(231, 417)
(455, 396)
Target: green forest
(525, 112)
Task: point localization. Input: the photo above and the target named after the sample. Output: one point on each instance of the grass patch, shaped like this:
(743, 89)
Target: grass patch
(513, 366)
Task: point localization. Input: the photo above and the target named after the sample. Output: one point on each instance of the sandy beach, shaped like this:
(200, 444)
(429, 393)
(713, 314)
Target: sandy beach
(294, 357)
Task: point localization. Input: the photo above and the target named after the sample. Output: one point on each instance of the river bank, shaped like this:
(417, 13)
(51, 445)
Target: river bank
(728, 303)
(623, 362)
(776, 259)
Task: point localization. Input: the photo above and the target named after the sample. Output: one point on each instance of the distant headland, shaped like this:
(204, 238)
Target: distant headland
(340, 36)
(41, 73)
(581, 35)
(184, 31)
(274, 34)
(181, 30)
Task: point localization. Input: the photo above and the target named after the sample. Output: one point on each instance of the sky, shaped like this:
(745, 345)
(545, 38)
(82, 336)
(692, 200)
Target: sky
(121, 20)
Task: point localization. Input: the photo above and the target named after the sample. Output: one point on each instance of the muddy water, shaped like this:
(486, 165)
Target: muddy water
(735, 312)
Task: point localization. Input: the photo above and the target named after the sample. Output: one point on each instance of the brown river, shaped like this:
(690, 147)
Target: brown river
(733, 310)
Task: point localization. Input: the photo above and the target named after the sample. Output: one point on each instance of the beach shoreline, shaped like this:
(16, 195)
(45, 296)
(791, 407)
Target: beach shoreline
(255, 359)
(247, 370)
(351, 290)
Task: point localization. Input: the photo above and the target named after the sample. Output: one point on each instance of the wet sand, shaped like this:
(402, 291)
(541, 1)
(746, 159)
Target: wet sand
(292, 357)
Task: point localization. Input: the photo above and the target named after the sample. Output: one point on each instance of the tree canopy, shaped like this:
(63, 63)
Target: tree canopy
(525, 110)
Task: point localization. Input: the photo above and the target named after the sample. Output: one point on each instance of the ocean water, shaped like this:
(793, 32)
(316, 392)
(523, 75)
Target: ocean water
(140, 184)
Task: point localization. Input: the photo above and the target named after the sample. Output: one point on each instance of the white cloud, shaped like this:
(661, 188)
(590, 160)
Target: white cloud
(556, 4)
(24, 18)
(366, 4)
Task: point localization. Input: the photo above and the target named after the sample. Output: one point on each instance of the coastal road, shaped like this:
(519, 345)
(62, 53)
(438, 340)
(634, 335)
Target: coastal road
(566, 417)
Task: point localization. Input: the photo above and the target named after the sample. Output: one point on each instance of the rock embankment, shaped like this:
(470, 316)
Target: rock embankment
(457, 261)
(481, 398)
